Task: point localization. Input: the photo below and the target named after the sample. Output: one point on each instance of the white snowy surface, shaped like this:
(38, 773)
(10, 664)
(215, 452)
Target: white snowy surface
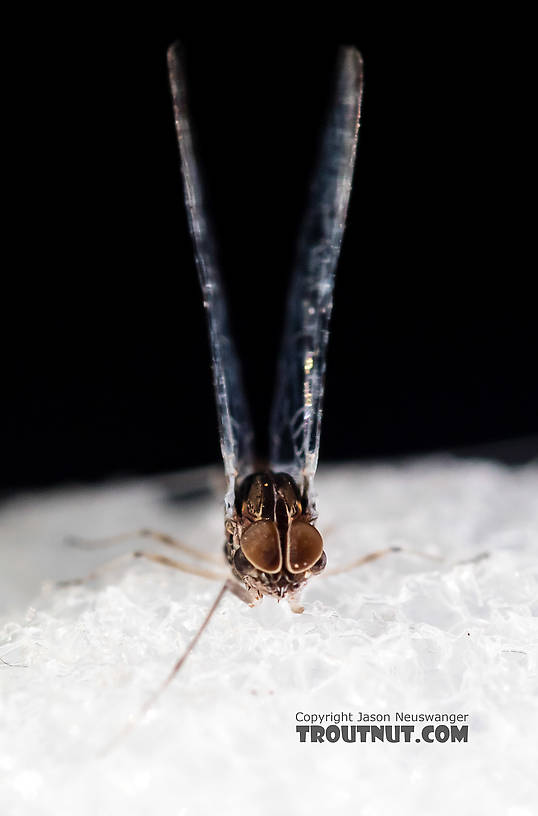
(399, 634)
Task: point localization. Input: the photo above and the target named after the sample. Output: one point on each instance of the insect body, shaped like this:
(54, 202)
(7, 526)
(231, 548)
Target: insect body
(272, 545)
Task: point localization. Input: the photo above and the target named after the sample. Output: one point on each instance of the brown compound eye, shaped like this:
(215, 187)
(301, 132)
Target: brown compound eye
(260, 543)
(306, 547)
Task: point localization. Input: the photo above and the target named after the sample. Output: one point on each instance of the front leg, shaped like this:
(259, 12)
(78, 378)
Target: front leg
(373, 556)
(211, 575)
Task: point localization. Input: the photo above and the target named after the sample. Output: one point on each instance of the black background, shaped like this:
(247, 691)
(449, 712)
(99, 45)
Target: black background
(105, 356)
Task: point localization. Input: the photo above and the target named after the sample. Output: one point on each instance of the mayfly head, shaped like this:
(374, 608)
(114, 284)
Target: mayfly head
(271, 543)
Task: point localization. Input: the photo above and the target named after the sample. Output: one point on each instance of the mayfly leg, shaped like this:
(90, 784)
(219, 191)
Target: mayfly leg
(228, 586)
(158, 559)
(373, 556)
(155, 535)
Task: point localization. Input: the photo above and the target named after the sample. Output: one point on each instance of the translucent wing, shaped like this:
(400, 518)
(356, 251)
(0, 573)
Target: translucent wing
(297, 409)
(234, 424)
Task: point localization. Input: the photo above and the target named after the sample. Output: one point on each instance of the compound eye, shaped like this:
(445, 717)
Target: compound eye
(261, 546)
(306, 547)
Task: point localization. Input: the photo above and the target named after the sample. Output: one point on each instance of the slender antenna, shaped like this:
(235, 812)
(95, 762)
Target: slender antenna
(154, 697)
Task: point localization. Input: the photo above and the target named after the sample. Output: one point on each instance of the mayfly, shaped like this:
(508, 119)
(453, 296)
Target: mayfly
(272, 545)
